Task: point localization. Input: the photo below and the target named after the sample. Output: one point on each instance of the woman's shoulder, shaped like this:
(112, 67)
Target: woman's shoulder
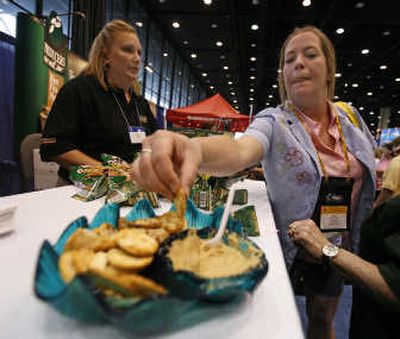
(272, 112)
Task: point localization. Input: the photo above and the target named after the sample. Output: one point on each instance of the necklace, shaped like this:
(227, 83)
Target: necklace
(123, 113)
(342, 141)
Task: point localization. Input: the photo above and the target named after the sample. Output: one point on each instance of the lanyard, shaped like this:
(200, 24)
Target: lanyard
(342, 141)
(123, 113)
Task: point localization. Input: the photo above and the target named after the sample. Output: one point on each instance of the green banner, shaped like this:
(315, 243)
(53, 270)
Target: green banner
(31, 76)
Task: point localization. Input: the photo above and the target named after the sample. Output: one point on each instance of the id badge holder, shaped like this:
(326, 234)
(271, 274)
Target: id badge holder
(136, 134)
(332, 212)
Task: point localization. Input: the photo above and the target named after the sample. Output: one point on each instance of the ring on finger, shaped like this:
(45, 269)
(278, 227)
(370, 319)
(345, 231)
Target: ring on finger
(146, 150)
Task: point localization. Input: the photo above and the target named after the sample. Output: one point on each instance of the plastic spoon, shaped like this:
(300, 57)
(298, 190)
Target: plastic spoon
(217, 238)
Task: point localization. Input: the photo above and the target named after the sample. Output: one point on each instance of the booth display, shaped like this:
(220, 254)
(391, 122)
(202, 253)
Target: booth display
(212, 113)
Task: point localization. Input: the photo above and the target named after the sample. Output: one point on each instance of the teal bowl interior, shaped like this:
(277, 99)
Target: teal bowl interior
(81, 300)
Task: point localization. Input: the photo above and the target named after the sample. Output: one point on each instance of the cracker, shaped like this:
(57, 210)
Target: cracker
(127, 283)
(66, 266)
(137, 244)
(122, 260)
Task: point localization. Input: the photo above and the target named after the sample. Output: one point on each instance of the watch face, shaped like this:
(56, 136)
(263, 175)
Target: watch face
(330, 250)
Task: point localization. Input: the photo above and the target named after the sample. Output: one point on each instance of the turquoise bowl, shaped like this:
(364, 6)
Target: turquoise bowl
(190, 300)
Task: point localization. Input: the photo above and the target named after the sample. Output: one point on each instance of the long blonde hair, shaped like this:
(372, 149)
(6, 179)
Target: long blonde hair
(101, 44)
(327, 49)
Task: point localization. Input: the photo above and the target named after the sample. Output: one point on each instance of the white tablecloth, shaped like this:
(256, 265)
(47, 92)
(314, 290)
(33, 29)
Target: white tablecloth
(269, 313)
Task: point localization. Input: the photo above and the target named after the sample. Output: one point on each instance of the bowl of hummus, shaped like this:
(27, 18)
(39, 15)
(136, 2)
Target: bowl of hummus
(190, 268)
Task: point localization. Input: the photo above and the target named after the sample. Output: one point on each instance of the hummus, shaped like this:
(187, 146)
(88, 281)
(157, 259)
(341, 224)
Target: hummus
(223, 260)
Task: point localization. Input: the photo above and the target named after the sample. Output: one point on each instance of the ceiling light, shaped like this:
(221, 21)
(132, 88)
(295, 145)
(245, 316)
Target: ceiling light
(251, 89)
(254, 27)
(354, 85)
(359, 5)
(252, 77)
(253, 59)
(149, 69)
(338, 75)
(165, 54)
(253, 45)
(214, 26)
(185, 42)
(207, 2)
(346, 84)
(204, 74)
(386, 33)
(340, 30)
(306, 3)
(139, 24)
(192, 86)
(279, 71)
(234, 101)
(365, 51)
(211, 87)
(233, 93)
(336, 97)
(349, 64)
(371, 113)
(382, 67)
(274, 86)
(193, 55)
(397, 79)
(219, 43)
(361, 108)
(226, 67)
(270, 96)
(372, 124)
(255, 2)
(176, 24)
(230, 83)
(251, 99)
(369, 94)
(350, 103)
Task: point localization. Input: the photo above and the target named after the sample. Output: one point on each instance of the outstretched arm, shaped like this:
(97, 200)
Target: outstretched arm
(170, 160)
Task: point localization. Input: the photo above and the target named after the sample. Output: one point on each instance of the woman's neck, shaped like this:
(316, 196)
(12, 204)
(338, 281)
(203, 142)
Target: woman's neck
(118, 84)
(318, 113)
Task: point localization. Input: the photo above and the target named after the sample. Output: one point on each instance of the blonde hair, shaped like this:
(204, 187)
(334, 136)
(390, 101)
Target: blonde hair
(327, 49)
(101, 44)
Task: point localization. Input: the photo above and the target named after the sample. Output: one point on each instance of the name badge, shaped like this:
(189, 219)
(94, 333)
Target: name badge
(332, 212)
(136, 134)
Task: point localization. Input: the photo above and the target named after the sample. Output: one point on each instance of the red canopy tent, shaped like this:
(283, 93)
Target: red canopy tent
(214, 111)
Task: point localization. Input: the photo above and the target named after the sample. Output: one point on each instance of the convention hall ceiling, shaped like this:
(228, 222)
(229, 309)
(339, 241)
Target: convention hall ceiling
(232, 57)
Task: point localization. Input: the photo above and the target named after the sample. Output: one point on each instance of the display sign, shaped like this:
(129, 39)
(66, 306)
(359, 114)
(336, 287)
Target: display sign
(389, 134)
(55, 44)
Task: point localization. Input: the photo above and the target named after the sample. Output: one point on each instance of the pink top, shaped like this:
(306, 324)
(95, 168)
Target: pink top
(333, 160)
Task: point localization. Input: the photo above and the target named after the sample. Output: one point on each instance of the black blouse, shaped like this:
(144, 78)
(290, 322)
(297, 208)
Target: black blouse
(88, 118)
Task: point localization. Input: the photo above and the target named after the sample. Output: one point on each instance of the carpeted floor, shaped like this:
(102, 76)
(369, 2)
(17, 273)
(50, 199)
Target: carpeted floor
(342, 318)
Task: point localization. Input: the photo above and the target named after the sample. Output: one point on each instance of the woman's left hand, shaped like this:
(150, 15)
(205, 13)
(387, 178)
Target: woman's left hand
(307, 234)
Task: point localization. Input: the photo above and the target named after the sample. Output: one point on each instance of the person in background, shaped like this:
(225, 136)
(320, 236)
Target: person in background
(99, 111)
(314, 160)
(391, 177)
(375, 273)
(382, 160)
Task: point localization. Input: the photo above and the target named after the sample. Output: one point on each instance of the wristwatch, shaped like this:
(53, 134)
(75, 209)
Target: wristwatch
(329, 252)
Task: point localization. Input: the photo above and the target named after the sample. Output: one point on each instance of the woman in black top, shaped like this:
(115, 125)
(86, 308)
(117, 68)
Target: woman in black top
(94, 112)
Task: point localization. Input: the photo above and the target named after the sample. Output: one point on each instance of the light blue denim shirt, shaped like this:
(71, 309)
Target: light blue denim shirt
(293, 172)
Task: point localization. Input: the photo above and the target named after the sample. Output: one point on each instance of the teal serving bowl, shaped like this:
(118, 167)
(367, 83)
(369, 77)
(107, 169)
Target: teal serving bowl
(187, 302)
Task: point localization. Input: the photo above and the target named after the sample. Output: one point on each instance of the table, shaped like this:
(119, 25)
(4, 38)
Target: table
(270, 313)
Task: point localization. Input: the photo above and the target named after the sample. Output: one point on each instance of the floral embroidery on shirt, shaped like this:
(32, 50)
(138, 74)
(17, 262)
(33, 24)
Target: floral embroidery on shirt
(303, 177)
(294, 157)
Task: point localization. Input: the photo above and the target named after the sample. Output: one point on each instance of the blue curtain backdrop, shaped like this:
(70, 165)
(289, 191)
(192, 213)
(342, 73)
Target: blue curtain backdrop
(7, 56)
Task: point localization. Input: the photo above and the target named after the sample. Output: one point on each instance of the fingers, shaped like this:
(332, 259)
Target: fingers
(301, 229)
(167, 161)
